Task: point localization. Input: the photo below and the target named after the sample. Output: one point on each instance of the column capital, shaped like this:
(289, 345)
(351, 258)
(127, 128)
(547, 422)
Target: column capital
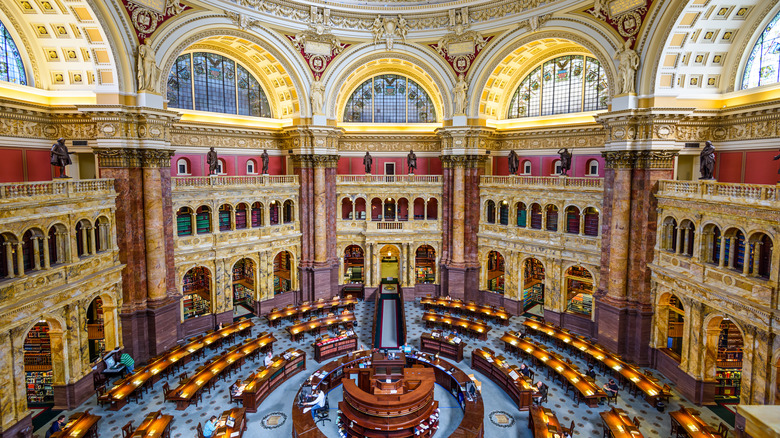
(311, 140)
(315, 160)
(644, 159)
(464, 161)
(133, 158)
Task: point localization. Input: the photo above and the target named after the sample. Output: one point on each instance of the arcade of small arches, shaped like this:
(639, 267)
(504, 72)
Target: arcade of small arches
(578, 221)
(389, 209)
(243, 215)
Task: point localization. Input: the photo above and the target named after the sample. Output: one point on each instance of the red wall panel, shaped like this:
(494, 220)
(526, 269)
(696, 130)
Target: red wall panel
(39, 166)
(11, 165)
(760, 168)
(729, 166)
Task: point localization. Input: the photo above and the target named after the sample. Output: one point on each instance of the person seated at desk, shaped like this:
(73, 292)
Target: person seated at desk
(210, 427)
(591, 372)
(524, 370)
(316, 404)
(235, 389)
(611, 388)
(406, 348)
(542, 388)
(56, 426)
(269, 359)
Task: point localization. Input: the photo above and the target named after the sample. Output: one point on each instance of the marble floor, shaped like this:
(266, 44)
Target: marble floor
(587, 420)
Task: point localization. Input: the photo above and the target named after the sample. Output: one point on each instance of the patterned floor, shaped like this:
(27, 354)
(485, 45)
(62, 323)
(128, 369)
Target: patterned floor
(498, 406)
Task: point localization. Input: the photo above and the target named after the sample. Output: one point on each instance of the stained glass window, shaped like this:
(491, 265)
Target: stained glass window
(389, 98)
(567, 84)
(763, 65)
(211, 82)
(11, 65)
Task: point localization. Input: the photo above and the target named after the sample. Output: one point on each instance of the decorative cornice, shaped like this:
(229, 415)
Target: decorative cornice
(464, 161)
(133, 158)
(314, 160)
(646, 159)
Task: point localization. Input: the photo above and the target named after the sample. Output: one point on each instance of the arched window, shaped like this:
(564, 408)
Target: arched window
(526, 167)
(389, 98)
(763, 65)
(592, 168)
(221, 166)
(218, 85)
(11, 65)
(183, 166)
(522, 214)
(251, 167)
(567, 84)
(490, 212)
(556, 168)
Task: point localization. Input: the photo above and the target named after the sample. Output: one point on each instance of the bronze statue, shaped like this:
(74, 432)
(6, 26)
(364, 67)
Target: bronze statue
(411, 161)
(707, 161)
(367, 161)
(514, 162)
(565, 160)
(212, 161)
(264, 158)
(60, 156)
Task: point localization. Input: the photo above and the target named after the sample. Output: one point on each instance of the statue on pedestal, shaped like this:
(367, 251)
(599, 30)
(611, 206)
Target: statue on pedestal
(459, 95)
(148, 72)
(367, 162)
(317, 96)
(514, 162)
(60, 156)
(264, 159)
(565, 161)
(628, 63)
(212, 161)
(411, 161)
(707, 161)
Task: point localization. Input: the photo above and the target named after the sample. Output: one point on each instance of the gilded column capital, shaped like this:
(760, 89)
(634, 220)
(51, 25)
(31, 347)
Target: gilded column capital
(645, 159)
(315, 160)
(619, 159)
(464, 161)
(133, 158)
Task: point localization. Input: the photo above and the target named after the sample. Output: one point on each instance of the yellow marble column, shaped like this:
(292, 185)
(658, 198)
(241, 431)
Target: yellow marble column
(110, 326)
(458, 215)
(9, 258)
(154, 236)
(47, 256)
(37, 253)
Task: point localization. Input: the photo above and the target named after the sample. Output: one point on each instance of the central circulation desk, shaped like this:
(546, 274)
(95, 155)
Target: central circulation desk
(455, 381)
(652, 390)
(304, 309)
(586, 388)
(318, 325)
(498, 315)
(478, 329)
(185, 393)
(506, 376)
(118, 395)
(263, 381)
(443, 345)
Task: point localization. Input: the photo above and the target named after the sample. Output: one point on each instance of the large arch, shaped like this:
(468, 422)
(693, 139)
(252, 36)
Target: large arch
(279, 70)
(358, 63)
(505, 63)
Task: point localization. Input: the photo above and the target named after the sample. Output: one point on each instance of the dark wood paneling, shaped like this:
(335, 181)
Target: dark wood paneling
(577, 324)
(22, 429)
(73, 394)
(163, 328)
(197, 325)
(697, 391)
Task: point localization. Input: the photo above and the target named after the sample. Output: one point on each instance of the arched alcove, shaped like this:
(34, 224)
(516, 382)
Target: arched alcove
(196, 293)
(495, 272)
(425, 265)
(354, 264)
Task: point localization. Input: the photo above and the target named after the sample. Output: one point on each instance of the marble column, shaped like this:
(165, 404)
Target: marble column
(9, 258)
(20, 259)
(46, 256)
(320, 224)
(732, 252)
(36, 253)
(722, 255)
(194, 223)
(154, 235)
(679, 244)
(458, 216)
(756, 256)
(92, 241)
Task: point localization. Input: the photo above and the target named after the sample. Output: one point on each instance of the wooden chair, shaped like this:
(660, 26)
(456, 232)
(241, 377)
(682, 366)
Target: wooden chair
(166, 390)
(199, 430)
(635, 421)
(127, 429)
(102, 398)
(613, 397)
(569, 430)
(723, 430)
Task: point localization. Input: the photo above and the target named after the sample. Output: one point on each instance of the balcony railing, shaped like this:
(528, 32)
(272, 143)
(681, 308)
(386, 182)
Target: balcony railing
(384, 179)
(60, 189)
(715, 191)
(196, 182)
(547, 182)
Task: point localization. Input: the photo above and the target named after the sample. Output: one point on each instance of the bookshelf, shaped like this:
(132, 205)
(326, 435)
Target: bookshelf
(581, 303)
(728, 369)
(37, 365)
(425, 265)
(183, 225)
(536, 217)
(240, 219)
(579, 290)
(328, 347)
(197, 292)
(195, 305)
(273, 218)
(591, 224)
(95, 331)
(224, 218)
(203, 223)
(257, 216)
(353, 264)
(522, 217)
(282, 265)
(533, 284)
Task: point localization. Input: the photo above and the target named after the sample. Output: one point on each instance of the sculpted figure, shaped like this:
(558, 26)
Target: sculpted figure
(377, 28)
(147, 68)
(367, 162)
(212, 161)
(707, 161)
(598, 9)
(411, 161)
(565, 160)
(629, 62)
(317, 96)
(514, 162)
(403, 27)
(264, 159)
(459, 95)
(60, 156)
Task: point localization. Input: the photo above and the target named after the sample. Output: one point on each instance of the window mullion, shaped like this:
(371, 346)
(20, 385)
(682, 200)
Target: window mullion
(192, 80)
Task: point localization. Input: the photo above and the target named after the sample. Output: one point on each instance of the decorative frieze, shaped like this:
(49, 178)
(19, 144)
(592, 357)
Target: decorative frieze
(652, 159)
(129, 158)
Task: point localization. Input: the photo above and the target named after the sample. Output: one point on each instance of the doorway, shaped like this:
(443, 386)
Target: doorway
(389, 256)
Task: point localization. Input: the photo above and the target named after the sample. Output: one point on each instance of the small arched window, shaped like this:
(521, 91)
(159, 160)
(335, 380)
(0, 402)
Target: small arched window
(11, 65)
(526, 167)
(556, 167)
(212, 82)
(389, 98)
(593, 168)
(221, 166)
(763, 65)
(567, 84)
(251, 167)
(183, 166)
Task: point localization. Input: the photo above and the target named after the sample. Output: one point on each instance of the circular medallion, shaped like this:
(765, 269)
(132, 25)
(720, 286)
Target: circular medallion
(728, 280)
(145, 21)
(461, 63)
(629, 23)
(318, 63)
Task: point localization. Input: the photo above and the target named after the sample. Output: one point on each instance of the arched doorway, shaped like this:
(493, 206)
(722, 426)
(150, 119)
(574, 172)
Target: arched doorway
(495, 272)
(533, 287)
(425, 265)
(196, 291)
(728, 358)
(243, 287)
(354, 265)
(579, 291)
(388, 269)
(282, 272)
(39, 376)
(96, 329)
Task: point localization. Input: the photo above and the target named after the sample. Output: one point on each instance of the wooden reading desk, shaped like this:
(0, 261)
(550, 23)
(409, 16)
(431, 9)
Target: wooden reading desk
(500, 316)
(238, 416)
(476, 328)
(618, 425)
(586, 388)
(155, 425)
(123, 388)
(627, 372)
(297, 331)
(543, 423)
(263, 381)
(506, 376)
(79, 425)
(186, 392)
(689, 423)
(444, 345)
(328, 347)
(306, 308)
